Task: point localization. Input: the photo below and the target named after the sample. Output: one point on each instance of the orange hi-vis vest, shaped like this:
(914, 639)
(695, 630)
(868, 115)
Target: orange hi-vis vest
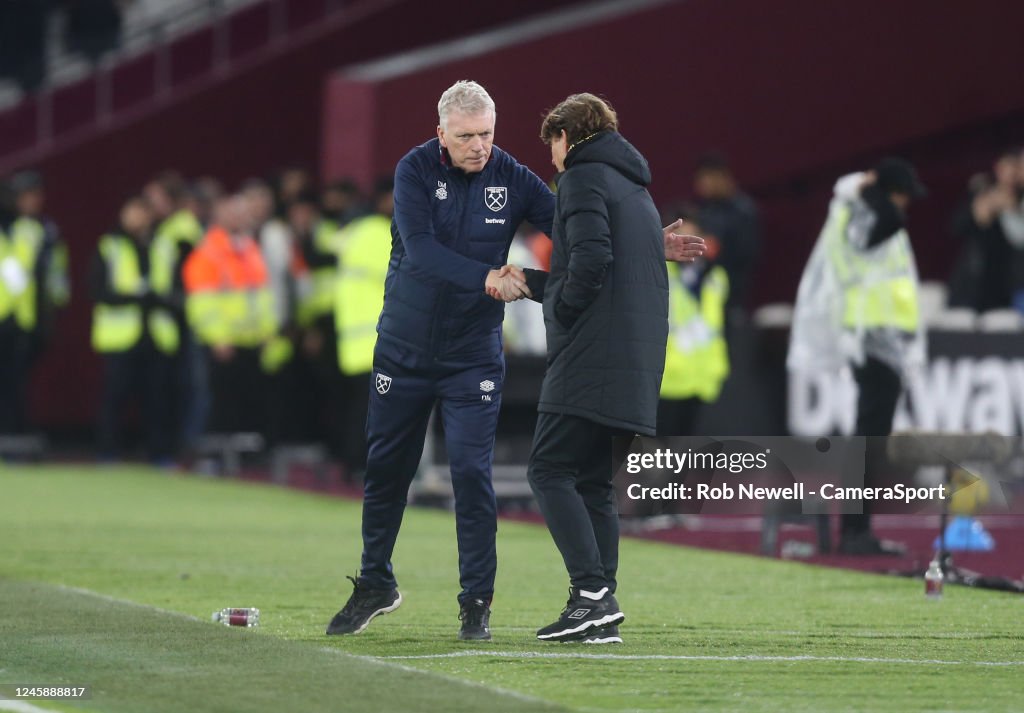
(228, 299)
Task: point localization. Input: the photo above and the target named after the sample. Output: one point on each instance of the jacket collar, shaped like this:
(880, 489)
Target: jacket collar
(445, 159)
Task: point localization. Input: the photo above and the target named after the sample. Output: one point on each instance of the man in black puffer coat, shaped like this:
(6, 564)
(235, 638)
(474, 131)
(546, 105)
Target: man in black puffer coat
(606, 315)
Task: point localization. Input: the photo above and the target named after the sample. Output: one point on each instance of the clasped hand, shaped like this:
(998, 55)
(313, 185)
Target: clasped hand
(507, 284)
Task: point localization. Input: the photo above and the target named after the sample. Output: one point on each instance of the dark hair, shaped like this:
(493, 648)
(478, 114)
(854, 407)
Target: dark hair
(305, 197)
(347, 186)
(897, 175)
(383, 186)
(25, 181)
(682, 209)
(1014, 152)
(172, 184)
(137, 200)
(713, 161)
(579, 116)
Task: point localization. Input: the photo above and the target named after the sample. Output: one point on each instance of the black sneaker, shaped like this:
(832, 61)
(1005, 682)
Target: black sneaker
(476, 618)
(583, 612)
(361, 607)
(601, 635)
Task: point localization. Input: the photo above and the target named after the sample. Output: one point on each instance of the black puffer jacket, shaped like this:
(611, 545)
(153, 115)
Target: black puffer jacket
(606, 300)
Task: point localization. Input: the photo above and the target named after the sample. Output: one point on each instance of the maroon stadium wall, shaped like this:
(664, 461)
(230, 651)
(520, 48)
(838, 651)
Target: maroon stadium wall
(795, 93)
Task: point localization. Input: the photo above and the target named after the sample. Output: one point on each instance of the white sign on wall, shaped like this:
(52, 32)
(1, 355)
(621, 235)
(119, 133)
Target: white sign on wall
(957, 395)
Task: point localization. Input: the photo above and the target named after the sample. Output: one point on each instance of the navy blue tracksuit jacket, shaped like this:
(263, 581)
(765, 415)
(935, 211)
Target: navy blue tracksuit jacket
(439, 339)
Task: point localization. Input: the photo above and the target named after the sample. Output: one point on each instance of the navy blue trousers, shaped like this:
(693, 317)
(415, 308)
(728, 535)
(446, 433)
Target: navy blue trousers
(403, 390)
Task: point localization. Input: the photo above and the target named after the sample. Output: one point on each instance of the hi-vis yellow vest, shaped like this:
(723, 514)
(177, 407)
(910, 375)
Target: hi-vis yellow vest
(323, 280)
(177, 229)
(117, 328)
(26, 240)
(697, 357)
(879, 284)
(180, 227)
(364, 254)
(8, 299)
(25, 244)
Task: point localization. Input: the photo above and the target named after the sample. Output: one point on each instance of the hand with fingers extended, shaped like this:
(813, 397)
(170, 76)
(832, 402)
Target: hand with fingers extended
(681, 247)
(507, 284)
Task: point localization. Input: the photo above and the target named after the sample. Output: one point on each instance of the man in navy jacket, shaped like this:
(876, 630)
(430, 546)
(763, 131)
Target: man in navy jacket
(458, 202)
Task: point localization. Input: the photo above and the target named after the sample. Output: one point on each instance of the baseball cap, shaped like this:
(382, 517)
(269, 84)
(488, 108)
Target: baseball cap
(897, 175)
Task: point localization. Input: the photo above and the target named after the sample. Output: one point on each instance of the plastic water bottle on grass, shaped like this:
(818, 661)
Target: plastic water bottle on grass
(933, 580)
(238, 617)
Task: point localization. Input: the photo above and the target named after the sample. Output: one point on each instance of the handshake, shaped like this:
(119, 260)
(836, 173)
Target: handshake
(507, 284)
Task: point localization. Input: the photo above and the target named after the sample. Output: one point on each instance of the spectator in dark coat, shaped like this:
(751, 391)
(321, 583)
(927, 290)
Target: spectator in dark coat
(990, 225)
(731, 215)
(606, 314)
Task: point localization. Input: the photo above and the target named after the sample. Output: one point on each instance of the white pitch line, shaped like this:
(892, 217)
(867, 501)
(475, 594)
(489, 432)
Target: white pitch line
(390, 663)
(710, 632)
(371, 659)
(118, 600)
(669, 657)
(23, 707)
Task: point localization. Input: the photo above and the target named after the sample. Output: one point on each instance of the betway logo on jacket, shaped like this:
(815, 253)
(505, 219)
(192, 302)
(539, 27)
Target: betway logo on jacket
(499, 221)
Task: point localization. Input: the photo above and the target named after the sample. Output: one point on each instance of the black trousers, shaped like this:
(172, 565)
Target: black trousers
(238, 390)
(678, 417)
(15, 365)
(880, 387)
(571, 474)
(146, 374)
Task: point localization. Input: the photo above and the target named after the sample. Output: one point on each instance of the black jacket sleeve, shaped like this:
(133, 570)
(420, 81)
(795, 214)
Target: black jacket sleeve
(588, 235)
(888, 218)
(175, 301)
(536, 281)
(315, 258)
(99, 285)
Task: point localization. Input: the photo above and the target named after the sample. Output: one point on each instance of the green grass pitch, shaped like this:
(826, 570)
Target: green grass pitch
(108, 577)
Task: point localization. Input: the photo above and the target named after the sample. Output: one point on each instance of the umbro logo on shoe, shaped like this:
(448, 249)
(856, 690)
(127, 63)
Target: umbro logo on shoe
(579, 613)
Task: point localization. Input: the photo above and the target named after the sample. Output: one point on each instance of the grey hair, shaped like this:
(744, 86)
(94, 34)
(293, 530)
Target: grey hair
(464, 97)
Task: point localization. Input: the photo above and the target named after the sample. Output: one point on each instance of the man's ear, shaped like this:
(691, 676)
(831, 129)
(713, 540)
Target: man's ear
(440, 136)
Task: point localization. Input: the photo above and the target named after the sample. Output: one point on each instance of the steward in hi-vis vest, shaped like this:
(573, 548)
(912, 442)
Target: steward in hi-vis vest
(34, 284)
(134, 329)
(697, 361)
(364, 253)
(697, 356)
(857, 304)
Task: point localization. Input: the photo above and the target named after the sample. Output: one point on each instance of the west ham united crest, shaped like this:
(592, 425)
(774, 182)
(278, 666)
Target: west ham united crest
(495, 197)
(383, 383)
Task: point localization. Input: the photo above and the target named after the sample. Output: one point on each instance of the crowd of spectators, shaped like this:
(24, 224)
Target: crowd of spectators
(215, 310)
